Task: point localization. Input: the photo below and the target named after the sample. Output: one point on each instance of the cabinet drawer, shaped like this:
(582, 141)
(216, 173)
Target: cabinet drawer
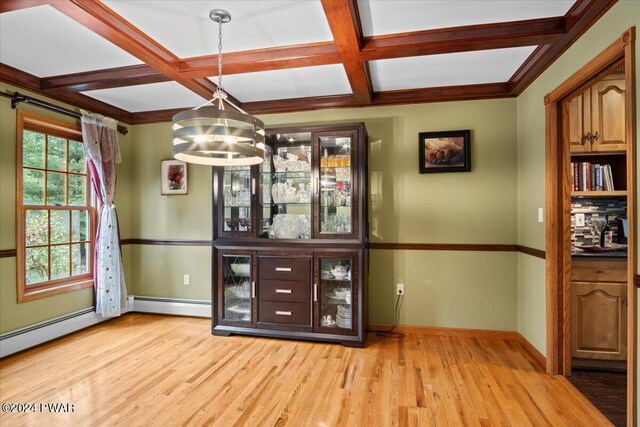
(598, 270)
(292, 313)
(276, 268)
(285, 291)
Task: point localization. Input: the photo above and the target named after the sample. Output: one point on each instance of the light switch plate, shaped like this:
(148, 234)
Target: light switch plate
(186, 279)
(540, 215)
(580, 220)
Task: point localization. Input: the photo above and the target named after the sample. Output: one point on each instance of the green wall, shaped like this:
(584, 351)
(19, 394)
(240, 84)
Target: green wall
(531, 159)
(13, 315)
(405, 206)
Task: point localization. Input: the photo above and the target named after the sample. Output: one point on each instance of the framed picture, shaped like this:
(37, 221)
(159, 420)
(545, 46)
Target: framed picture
(446, 151)
(174, 177)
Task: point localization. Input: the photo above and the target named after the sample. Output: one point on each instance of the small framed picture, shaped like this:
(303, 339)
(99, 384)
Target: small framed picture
(174, 177)
(446, 151)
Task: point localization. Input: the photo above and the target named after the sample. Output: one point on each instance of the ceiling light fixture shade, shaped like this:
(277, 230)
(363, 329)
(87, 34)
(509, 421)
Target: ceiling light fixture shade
(212, 135)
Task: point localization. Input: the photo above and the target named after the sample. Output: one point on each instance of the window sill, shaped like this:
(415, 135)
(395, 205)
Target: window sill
(51, 290)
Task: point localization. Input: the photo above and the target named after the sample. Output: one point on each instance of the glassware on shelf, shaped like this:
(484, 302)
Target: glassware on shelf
(597, 225)
(336, 293)
(335, 185)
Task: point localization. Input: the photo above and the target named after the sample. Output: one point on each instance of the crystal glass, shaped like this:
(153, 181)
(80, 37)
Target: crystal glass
(237, 199)
(597, 224)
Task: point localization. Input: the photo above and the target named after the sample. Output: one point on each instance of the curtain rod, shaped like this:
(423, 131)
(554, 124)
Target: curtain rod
(17, 98)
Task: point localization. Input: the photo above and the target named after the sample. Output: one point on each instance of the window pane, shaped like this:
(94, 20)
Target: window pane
(37, 228)
(60, 226)
(80, 258)
(77, 190)
(32, 187)
(76, 157)
(37, 265)
(56, 184)
(79, 226)
(57, 154)
(60, 265)
(33, 149)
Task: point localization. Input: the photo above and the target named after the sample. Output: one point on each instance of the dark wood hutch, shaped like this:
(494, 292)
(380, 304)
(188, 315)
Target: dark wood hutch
(290, 238)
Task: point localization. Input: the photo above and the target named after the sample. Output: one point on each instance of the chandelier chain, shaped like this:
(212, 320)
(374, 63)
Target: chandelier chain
(220, 55)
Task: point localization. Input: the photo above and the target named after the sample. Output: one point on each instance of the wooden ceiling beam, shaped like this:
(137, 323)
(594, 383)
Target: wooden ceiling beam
(249, 61)
(462, 39)
(30, 82)
(436, 94)
(579, 19)
(105, 79)
(10, 5)
(103, 21)
(344, 21)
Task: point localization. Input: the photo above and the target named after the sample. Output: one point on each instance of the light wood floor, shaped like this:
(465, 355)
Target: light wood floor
(164, 371)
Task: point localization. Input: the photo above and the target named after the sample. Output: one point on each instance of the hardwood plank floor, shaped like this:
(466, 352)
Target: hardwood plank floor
(143, 370)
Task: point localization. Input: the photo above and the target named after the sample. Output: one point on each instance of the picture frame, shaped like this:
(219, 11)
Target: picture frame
(173, 177)
(445, 151)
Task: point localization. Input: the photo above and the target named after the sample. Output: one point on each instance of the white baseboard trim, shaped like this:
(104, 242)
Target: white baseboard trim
(40, 333)
(31, 336)
(172, 307)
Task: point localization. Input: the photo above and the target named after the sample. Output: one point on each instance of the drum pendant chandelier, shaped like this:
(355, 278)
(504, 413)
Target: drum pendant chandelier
(213, 135)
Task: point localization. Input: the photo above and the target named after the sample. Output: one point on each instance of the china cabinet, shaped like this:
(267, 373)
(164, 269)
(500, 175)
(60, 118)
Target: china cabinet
(290, 238)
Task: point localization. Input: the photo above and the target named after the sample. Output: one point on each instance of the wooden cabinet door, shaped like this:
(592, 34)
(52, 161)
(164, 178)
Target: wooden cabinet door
(608, 115)
(580, 122)
(599, 320)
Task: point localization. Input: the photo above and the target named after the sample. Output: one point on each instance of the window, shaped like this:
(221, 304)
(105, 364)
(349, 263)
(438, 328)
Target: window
(55, 217)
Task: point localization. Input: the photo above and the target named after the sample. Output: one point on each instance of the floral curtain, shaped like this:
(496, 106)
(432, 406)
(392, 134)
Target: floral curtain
(102, 153)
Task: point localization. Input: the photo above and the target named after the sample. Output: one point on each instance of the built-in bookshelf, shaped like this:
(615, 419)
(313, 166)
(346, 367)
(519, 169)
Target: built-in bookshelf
(602, 175)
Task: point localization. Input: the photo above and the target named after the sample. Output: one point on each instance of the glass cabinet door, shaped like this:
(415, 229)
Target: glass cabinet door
(238, 289)
(335, 294)
(286, 188)
(237, 189)
(336, 198)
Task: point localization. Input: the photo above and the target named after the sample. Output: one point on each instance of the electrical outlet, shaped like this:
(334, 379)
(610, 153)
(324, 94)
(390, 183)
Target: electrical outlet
(186, 279)
(540, 215)
(399, 288)
(580, 220)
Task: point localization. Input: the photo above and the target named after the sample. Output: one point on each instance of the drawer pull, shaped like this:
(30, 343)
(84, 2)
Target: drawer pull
(253, 289)
(315, 292)
(283, 268)
(253, 186)
(283, 291)
(283, 313)
(599, 271)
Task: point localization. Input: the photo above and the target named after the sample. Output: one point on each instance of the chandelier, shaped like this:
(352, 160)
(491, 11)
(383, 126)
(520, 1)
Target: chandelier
(212, 135)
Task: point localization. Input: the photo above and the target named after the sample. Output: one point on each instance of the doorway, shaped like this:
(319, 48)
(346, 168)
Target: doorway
(573, 290)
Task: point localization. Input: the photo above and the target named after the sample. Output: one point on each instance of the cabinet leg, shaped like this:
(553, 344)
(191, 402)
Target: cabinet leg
(221, 333)
(353, 344)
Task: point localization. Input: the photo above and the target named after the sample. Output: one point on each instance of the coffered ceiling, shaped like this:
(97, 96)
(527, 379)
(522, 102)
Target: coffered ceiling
(140, 60)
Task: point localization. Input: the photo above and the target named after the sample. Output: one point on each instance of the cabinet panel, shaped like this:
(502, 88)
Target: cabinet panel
(335, 296)
(281, 290)
(580, 122)
(290, 313)
(598, 270)
(608, 116)
(599, 315)
(336, 208)
(284, 268)
(236, 296)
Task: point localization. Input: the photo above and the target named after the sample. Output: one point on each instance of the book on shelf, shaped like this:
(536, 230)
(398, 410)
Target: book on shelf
(588, 176)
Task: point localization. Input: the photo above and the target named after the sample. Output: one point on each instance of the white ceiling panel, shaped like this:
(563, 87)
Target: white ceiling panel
(185, 29)
(398, 16)
(485, 66)
(285, 84)
(44, 42)
(155, 96)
